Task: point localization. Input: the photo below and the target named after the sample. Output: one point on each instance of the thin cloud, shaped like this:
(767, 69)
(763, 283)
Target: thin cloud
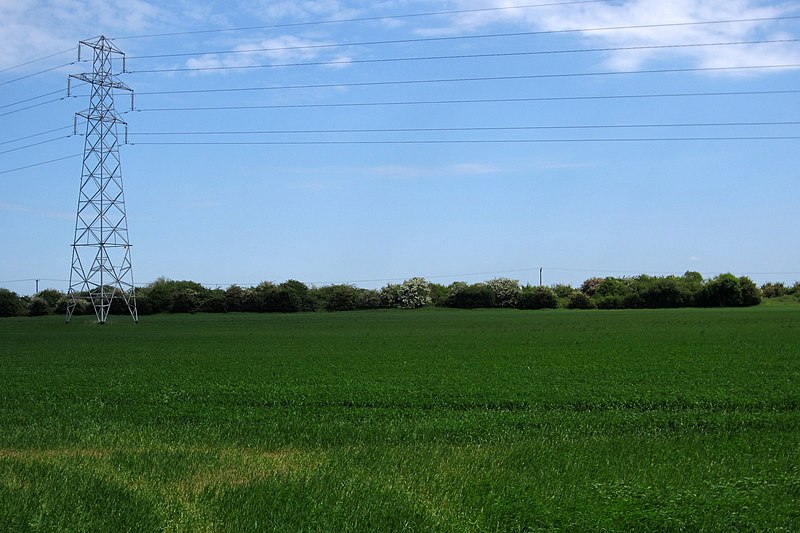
(35, 28)
(646, 13)
(21, 209)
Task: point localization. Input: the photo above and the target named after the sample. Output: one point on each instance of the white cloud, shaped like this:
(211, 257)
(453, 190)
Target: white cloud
(645, 14)
(274, 51)
(303, 10)
(32, 29)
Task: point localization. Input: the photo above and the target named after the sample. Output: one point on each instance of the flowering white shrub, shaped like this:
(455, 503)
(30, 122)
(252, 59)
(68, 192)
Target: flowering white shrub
(506, 291)
(413, 293)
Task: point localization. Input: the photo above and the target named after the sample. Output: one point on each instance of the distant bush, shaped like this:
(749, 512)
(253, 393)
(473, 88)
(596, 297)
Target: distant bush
(51, 297)
(751, 294)
(300, 296)
(234, 298)
(562, 291)
(390, 295)
(465, 296)
(774, 290)
(537, 298)
(726, 290)
(660, 292)
(214, 303)
(9, 303)
(184, 300)
(506, 291)
(414, 293)
(370, 299)
(589, 287)
(612, 293)
(339, 297)
(439, 294)
(38, 307)
(579, 300)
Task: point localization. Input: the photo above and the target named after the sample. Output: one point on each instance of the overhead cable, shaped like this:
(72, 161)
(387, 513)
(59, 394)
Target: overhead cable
(37, 60)
(484, 78)
(40, 163)
(472, 128)
(493, 55)
(466, 101)
(361, 19)
(471, 141)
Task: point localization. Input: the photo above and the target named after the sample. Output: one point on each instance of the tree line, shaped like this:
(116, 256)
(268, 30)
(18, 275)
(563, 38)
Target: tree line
(639, 292)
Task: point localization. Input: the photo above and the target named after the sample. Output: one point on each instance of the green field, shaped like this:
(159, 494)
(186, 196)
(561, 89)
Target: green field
(436, 420)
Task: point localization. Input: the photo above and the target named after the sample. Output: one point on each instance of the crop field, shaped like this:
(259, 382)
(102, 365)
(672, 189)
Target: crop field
(434, 420)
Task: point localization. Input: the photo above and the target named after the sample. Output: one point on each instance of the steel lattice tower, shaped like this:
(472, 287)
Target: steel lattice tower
(101, 253)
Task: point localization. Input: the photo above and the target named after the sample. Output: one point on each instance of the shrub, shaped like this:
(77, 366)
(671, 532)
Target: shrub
(266, 297)
(184, 301)
(143, 306)
(162, 294)
(51, 297)
(562, 291)
(506, 291)
(38, 307)
(390, 295)
(414, 293)
(300, 296)
(439, 294)
(794, 289)
(214, 303)
(723, 291)
(613, 293)
(657, 292)
(589, 287)
(369, 299)
(465, 296)
(579, 300)
(773, 290)
(9, 303)
(339, 297)
(537, 298)
(751, 294)
(234, 298)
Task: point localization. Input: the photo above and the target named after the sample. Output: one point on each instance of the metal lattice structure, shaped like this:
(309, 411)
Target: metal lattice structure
(101, 253)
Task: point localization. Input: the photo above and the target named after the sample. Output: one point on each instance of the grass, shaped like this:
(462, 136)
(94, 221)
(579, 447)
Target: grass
(440, 420)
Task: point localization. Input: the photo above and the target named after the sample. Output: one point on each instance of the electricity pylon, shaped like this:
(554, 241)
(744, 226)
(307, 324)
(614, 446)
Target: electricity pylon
(101, 252)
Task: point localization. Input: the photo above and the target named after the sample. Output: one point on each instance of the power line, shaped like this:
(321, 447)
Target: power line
(468, 37)
(40, 163)
(37, 73)
(37, 60)
(34, 135)
(473, 128)
(463, 101)
(61, 138)
(472, 141)
(361, 19)
(463, 56)
(479, 79)
(30, 99)
(40, 104)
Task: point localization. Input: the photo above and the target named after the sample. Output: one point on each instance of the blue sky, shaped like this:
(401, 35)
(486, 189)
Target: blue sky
(613, 138)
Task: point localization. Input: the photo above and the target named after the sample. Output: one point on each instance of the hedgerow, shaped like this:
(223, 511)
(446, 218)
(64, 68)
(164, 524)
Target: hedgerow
(639, 292)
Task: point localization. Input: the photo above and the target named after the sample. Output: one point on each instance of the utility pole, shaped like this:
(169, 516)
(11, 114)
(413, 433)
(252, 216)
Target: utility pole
(101, 253)
(540, 275)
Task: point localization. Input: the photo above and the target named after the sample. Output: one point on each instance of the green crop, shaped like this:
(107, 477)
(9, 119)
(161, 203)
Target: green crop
(440, 420)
